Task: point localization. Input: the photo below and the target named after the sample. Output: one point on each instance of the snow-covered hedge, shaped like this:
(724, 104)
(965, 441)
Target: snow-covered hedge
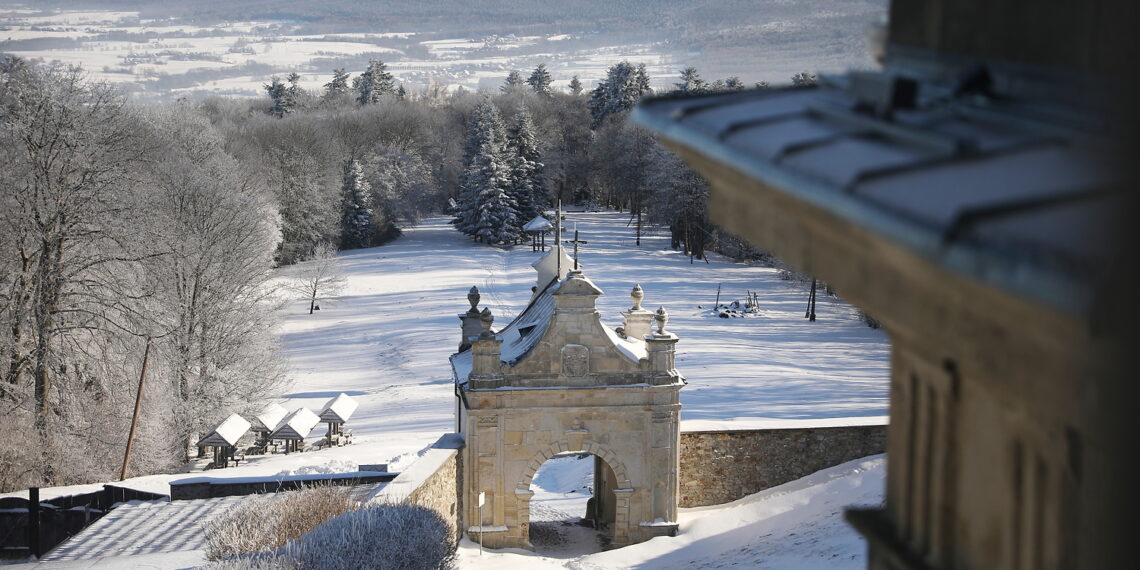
(322, 528)
(384, 536)
(266, 522)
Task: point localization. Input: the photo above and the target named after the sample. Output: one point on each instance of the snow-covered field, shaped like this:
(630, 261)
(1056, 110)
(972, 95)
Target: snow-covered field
(386, 341)
(158, 51)
(165, 59)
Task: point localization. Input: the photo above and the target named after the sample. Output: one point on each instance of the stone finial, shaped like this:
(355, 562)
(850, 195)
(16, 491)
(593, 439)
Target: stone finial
(473, 298)
(485, 319)
(661, 318)
(637, 295)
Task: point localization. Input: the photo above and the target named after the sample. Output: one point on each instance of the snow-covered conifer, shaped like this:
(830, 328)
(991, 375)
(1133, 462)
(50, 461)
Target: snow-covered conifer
(485, 208)
(691, 81)
(338, 87)
(575, 86)
(374, 83)
(528, 186)
(356, 212)
(514, 81)
(540, 80)
(622, 88)
(277, 94)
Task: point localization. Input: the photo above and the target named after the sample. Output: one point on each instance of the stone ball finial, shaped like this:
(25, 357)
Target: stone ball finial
(473, 298)
(485, 319)
(662, 318)
(637, 295)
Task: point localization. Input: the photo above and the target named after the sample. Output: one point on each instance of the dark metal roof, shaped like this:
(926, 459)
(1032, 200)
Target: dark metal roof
(1012, 194)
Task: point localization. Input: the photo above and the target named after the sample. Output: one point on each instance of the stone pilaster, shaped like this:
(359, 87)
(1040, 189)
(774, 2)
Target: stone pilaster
(661, 346)
(486, 350)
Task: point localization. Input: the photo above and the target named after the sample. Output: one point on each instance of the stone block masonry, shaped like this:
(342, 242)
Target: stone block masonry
(722, 466)
(433, 481)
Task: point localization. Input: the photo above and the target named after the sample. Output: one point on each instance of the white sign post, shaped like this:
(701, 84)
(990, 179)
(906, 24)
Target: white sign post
(482, 499)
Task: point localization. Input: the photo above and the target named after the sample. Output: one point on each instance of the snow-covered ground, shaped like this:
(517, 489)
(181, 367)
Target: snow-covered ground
(386, 341)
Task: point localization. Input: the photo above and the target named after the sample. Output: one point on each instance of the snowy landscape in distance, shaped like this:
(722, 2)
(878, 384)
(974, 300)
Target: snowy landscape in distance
(387, 338)
(165, 58)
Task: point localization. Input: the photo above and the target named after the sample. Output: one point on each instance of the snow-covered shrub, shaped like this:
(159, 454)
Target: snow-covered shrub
(266, 522)
(260, 561)
(385, 536)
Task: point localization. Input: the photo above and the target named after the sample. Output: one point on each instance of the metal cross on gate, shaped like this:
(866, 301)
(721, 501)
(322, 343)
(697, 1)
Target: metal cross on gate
(576, 241)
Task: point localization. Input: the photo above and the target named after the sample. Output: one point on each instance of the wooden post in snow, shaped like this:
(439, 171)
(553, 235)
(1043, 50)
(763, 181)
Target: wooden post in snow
(135, 417)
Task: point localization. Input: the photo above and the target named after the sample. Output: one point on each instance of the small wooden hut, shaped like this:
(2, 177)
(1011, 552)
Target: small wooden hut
(537, 230)
(224, 439)
(265, 422)
(335, 413)
(295, 427)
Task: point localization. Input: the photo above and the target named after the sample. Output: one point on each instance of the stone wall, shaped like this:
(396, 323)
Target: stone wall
(721, 466)
(433, 481)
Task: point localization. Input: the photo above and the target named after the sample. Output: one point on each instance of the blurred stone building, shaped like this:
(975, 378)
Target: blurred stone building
(974, 195)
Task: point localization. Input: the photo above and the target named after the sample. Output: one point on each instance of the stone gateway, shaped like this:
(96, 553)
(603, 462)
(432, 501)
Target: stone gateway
(556, 380)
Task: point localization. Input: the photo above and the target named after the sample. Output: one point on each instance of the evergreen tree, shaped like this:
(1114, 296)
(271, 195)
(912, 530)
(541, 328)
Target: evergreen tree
(528, 186)
(691, 81)
(356, 209)
(278, 94)
(497, 219)
(762, 84)
(338, 87)
(575, 86)
(514, 82)
(485, 210)
(622, 88)
(733, 84)
(374, 83)
(294, 92)
(540, 80)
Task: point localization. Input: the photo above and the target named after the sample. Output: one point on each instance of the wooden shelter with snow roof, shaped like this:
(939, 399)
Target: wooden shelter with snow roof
(224, 439)
(295, 427)
(266, 421)
(554, 381)
(335, 413)
(537, 230)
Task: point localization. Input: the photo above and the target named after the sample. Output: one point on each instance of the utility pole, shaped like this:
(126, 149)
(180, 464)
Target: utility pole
(135, 417)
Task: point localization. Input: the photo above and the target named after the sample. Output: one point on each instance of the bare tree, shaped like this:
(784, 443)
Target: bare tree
(320, 277)
(214, 237)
